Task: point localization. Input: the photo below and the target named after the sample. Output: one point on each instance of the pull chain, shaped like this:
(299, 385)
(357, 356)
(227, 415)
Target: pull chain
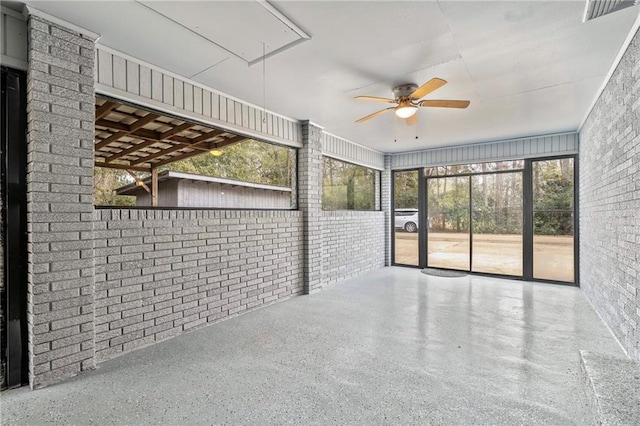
(264, 84)
(395, 127)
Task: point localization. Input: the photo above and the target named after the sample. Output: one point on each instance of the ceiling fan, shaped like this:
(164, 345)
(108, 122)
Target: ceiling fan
(408, 96)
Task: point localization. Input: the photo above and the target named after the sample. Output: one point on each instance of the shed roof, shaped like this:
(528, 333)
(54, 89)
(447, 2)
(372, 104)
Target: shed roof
(131, 138)
(166, 175)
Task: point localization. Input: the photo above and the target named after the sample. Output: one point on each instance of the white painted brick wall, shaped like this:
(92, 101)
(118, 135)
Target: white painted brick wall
(160, 273)
(610, 202)
(310, 203)
(353, 243)
(60, 114)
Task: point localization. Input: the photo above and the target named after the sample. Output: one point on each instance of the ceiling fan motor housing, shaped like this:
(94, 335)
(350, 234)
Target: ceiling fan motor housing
(404, 90)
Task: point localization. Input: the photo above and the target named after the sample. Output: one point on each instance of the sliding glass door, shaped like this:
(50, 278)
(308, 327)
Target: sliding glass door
(475, 223)
(513, 218)
(448, 237)
(496, 203)
(553, 219)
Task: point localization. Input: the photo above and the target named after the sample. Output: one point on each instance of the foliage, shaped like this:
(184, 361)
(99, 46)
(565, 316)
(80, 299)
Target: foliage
(247, 161)
(105, 182)
(497, 199)
(553, 197)
(347, 186)
(405, 194)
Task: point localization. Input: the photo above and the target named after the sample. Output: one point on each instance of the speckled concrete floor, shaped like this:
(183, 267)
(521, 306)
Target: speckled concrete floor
(391, 347)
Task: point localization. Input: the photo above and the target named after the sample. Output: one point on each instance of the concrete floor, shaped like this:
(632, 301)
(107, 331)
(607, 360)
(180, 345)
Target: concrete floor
(393, 346)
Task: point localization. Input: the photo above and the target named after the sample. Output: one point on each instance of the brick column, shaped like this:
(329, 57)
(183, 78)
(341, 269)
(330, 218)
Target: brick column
(387, 208)
(60, 115)
(310, 203)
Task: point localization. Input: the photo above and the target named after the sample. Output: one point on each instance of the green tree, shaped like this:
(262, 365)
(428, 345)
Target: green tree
(105, 183)
(248, 161)
(347, 186)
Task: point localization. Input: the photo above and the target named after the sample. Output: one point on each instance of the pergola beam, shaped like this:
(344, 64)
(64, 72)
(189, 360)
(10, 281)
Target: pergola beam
(186, 155)
(123, 167)
(104, 109)
(141, 146)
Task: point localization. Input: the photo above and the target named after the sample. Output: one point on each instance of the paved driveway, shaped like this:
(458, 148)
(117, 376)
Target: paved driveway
(496, 254)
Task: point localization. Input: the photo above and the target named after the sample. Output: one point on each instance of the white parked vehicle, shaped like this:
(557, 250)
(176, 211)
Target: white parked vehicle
(407, 219)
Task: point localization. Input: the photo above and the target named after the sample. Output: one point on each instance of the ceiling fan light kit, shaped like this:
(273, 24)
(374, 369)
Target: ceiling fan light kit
(407, 98)
(406, 110)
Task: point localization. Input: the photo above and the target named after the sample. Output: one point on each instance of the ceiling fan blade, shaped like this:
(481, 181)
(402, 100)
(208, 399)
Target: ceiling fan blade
(374, 98)
(444, 104)
(428, 87)
(370, 116)
(412, 121)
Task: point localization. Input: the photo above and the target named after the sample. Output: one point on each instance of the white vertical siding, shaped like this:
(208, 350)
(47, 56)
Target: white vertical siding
(560, 144)
(13, 39)
(127, 78)
(188, 193)
(342, 149)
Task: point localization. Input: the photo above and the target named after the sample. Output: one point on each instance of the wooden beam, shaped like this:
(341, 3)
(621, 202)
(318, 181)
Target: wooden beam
(122, 167)
(132, 149)
(131, 128)
(186, 155)
(179, 158)
(137, 178)
(180, 128)
(160, 153)
(143, 121)
(154, 187)
(194, 142)
(205, 137)
(128, 127)
(112, 124)
(104, 109)
(141, 133)
(114, 137)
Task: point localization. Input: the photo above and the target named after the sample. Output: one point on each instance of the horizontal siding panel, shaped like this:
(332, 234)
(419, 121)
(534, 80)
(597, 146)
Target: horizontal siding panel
(133, 78)
(145, 82)
(188, 97)
(105, 68)
(119, 73)
(215, 106)
(154, 87)
(197, 100)
(13, 32)
(543, 146)
(178, 94)
(343, 149)
(167, 90)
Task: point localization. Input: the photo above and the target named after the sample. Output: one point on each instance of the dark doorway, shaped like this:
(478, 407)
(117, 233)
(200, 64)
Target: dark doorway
(14, 228)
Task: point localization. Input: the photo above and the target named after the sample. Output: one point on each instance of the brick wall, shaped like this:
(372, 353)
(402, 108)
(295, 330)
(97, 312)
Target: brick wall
(163, 272)
(310, 203)
(610, 203)
(60, 115)
(385, 205)
(353, 243)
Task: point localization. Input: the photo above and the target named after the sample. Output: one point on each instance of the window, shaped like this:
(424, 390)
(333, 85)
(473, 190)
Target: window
(347, 186)
(462, 169)
(406, 217)
(513, 218)
(144, 158)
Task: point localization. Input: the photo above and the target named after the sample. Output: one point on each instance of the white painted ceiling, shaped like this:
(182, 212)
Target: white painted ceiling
(528, 68)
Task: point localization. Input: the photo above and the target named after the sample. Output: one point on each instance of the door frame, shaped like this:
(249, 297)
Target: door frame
(14, 224)
(527, 220)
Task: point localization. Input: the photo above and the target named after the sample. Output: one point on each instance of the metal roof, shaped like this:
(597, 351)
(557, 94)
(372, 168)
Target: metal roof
(132, 138)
